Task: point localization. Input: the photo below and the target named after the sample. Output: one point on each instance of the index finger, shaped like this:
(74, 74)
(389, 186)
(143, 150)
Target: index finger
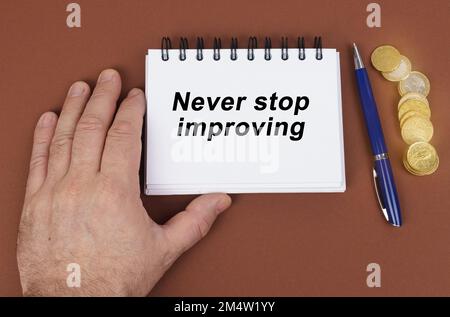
(122, 152)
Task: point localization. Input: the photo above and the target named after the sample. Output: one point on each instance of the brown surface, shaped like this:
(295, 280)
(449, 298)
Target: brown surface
(284, 244)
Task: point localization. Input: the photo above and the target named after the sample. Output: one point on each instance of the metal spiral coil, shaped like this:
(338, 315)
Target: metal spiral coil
(318, 47)
(234, 47)
(166, 46)
(284, 48)
(252, 44)
(217, 47)
(184, 45)
(267, 48)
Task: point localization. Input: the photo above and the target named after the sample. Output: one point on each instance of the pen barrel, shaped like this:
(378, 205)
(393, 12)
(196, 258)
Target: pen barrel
(388, 191)
(370, 111)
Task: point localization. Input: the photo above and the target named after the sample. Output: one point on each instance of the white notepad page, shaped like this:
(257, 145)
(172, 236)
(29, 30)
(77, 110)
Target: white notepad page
(244, 163)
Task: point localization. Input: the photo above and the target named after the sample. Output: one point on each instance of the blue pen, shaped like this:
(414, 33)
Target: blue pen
(382, 172)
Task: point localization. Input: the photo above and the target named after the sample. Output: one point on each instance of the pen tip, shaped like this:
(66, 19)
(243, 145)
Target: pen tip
(357, 57)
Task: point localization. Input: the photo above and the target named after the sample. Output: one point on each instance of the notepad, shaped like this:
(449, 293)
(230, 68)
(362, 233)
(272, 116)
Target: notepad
(244, 124)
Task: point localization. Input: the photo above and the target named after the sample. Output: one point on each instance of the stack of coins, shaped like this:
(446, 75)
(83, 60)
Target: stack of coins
(421, 159)
(414, 111)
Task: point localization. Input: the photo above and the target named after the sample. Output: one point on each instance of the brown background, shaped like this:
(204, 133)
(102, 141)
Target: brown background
(277, 244)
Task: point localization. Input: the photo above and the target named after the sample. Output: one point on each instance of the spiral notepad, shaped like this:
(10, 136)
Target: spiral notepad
(243, 120)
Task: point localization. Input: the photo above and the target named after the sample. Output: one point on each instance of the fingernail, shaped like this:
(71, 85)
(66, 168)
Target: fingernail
(223, 203)
(134, 92)
(77, 89)
(45, 120)
(106, 75)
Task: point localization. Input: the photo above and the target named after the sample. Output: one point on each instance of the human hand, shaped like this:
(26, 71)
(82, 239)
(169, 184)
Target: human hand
(82, 202)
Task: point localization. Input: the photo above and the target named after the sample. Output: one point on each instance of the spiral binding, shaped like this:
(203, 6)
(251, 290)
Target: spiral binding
(200, 47)
(233, 49)
(184, 45)
(267, 49)
(217, 47)
(166, 45)
(252, 44)
(284, 48)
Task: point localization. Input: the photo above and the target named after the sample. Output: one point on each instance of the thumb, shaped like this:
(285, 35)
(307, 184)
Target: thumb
(187, 227)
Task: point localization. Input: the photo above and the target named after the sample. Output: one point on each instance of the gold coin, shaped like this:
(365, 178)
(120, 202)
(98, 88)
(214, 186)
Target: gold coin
(421, 173)
(408, 115)
(422, 158)
(385, 58)
(418, 173)
(415, 82)
(409, 169)
(416, 105)
(401, 72)
(413, 95)
(417, 129)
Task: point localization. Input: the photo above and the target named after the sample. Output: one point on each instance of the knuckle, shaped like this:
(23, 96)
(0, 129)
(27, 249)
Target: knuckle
(40, 132)
(72, 106)
(40, 155)
(61, 141)
(201, 227)
(110, 191)
(34, 213)
(89, 123)
(38, 160)
(121, 129)
(24, 228)
(70, 189)
(134, 103)
(40, 138)
(25, 221)
(101, 91)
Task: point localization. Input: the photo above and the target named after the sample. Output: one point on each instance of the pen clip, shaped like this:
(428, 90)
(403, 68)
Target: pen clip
(380, 201)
